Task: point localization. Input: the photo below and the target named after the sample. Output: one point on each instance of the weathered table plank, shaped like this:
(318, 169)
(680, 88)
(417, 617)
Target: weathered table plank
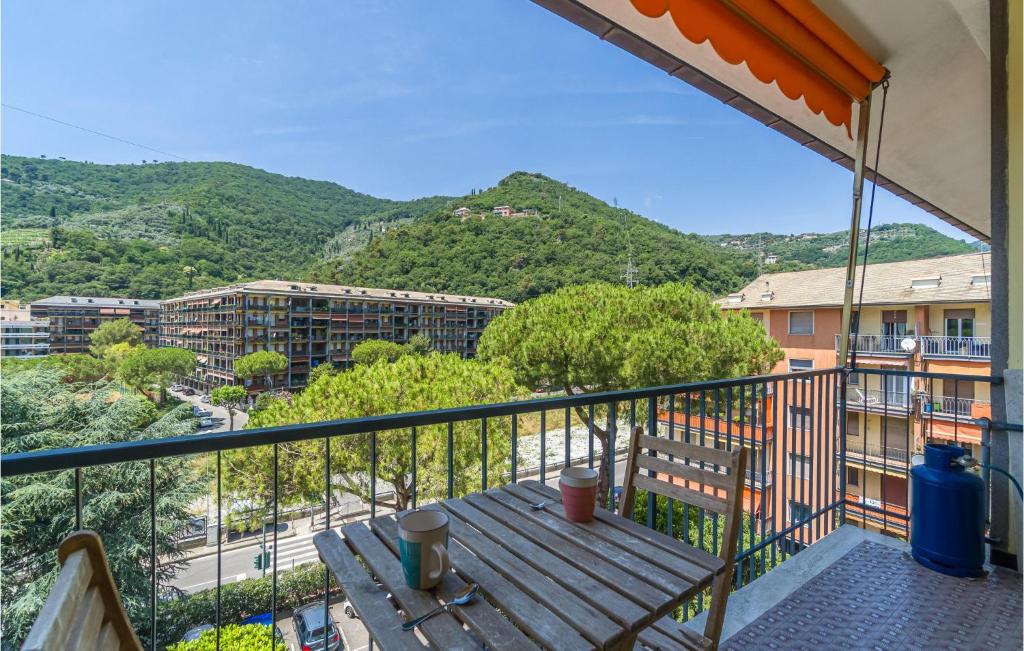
(613, 604)
(683, 567)
(553, 518)
(578, 555)
(656, 538)
(367, 599)
(589, 622)
(481, 617)
(443, 631)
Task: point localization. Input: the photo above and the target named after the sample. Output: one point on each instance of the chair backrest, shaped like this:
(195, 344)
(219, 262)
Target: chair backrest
(700, 476)
(84, 609)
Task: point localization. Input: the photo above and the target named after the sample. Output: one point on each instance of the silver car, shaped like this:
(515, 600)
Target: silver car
(309, 628)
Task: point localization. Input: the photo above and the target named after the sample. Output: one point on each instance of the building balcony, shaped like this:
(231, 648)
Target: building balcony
(954, 407)
(875, 344)
(780, 541)
(967, 348)
(894, 403)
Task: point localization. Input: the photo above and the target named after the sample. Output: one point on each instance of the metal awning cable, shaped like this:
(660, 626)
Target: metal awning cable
(867, 233)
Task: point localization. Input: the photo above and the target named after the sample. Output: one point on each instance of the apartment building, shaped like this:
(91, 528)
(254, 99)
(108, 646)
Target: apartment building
(73, 318)
(928, 315)
(20, 335)
(312, 324)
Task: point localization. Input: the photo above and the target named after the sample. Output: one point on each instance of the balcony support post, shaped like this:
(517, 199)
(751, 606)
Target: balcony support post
(863, 118)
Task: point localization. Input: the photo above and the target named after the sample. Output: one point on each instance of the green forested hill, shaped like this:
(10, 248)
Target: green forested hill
(889, 243)
(566, 237)
(75, 227)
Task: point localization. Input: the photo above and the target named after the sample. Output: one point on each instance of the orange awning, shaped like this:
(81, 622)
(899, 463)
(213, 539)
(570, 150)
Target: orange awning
(789, 42)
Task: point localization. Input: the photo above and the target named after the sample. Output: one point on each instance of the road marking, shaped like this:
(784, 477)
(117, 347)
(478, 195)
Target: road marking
(240, 577)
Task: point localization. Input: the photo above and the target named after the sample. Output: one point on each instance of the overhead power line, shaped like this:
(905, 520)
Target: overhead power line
(93, 131)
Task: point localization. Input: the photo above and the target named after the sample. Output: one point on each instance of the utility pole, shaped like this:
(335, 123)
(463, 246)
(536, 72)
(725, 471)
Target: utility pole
(631, 270)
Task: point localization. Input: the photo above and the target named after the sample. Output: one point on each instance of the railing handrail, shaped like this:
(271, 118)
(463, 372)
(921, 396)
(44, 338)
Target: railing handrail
(23, 463)
(964, 338)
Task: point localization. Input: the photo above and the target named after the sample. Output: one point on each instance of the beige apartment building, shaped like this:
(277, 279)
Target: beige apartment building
(312, 324)
(21, 335)
(929, 315)
(72, 319)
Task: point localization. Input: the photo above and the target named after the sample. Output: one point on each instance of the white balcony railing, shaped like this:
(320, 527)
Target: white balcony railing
(877, 344)
(953, 406)
(876, 398)
(959, 347)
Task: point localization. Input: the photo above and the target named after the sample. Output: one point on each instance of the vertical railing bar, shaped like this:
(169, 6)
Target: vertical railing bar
(885, 455)
(373, 474)
(219, 532)
(789, 462)
(273, 578)
(752, 471)
(738, 574)
(956, 416)
(414, 487)
(483, 449)
(816, 491)
(451, 455)
(842, 390)
(829, 452)
(803, 455)
(543, 445)
(568, 438)
(327, 527)
(687, 433)
(78, 499)
(652, 429)
(864, 455)
(590, 437)
(776, 475)
(515, 448)
(152, 554)
(764, 469)
(671, 457)
(700, 511)
(612, 427)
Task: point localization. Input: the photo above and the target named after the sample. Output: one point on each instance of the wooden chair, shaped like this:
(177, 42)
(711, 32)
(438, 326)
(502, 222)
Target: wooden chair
(718, 487)
(84, 609)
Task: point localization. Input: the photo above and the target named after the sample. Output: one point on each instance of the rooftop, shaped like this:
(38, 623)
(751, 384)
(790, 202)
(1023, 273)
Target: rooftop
(339, 291)
(952, 279)
(96, 301)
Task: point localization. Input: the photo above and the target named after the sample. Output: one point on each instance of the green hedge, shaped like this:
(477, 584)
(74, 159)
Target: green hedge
(241, 599)
(252, 637)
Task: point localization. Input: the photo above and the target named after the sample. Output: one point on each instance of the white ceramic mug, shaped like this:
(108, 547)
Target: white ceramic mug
(423, 547)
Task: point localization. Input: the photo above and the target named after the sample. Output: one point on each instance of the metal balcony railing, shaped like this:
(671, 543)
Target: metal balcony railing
(877, 399)
(953, 406)
(799, 469)
(956, 347)
(877, 344)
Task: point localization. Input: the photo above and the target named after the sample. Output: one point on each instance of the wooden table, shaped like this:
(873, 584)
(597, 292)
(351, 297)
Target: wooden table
(545, 581)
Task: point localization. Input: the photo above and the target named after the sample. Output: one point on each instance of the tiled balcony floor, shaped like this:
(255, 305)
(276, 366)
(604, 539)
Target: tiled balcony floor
(859, 590)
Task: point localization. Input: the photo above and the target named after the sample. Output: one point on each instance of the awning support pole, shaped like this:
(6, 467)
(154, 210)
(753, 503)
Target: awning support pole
(863, 117)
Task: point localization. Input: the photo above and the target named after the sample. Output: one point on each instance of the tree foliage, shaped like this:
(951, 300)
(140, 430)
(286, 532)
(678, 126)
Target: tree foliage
(373, 350)
(134, 229)
(411, 383)
(249, 637)
(160, 366)
(42, 412)
(574, 238)
(230, 397)
(601, 337)
(118, 331)
(263, 363)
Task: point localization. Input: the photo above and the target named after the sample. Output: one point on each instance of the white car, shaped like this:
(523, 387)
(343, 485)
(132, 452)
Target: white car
(204, 398)
(205, 421)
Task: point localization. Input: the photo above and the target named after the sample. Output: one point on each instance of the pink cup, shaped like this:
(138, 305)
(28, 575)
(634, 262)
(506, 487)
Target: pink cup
(579, 493)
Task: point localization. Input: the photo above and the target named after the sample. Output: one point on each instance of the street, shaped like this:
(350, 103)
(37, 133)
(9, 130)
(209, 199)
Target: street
(220, 414)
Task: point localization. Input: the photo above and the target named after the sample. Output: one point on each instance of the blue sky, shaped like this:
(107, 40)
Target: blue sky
(403, 99)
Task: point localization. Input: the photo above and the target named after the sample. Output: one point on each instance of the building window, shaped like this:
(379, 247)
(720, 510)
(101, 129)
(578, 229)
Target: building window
(800, 418)
(852, 477)
(853, 424)
(757, 316)
(796, 365)
(800, 466)
(801, 323)
(853, 378)
(799, 512)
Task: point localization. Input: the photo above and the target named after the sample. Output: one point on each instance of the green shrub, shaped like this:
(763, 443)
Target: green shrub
(242, 599)
(251, 637)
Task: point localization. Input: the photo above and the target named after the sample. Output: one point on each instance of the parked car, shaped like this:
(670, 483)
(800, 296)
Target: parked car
(199, 412)
(264, 619)
(206, 421)
(194, 632)
(349, 611)
(308, 621)
(188, 391)
(204, 398)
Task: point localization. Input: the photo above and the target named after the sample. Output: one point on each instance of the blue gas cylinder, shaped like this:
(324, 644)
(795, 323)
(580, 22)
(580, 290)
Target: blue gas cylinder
(947, 513)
